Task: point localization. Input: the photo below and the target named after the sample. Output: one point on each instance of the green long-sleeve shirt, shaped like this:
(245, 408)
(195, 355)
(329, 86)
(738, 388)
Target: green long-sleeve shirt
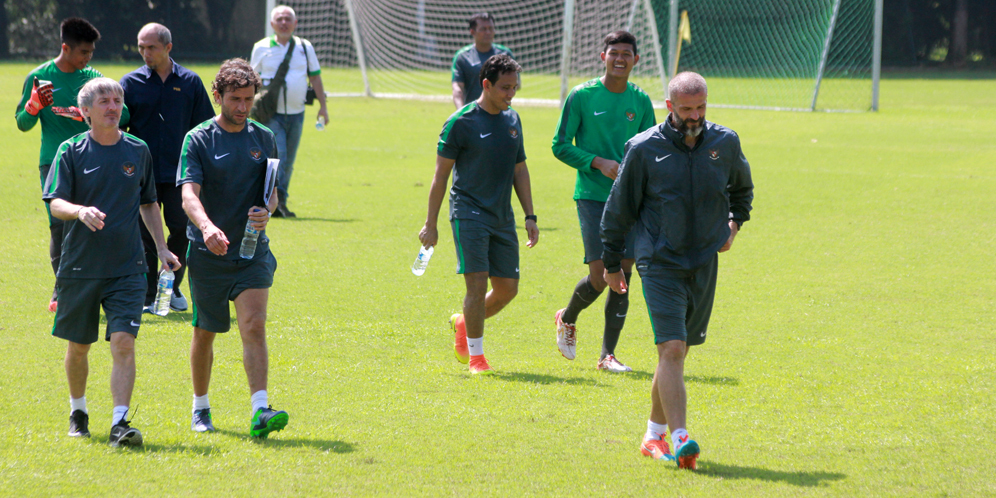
(56, 129)
(597, 123)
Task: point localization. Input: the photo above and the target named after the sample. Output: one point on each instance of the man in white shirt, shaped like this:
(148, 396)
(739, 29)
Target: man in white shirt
(287, 123)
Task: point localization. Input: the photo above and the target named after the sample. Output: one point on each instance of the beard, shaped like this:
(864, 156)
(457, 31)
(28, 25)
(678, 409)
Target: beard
(689, 127)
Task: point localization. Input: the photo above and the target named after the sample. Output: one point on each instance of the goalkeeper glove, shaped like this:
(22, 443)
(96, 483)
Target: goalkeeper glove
(41, 97)
(72, 112)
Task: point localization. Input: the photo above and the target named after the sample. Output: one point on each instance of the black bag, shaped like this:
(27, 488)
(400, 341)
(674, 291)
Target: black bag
(264, 106)
(309, 98)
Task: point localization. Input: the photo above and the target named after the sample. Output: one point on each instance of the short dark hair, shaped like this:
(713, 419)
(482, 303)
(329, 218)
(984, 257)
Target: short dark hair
(621, 36)
(76, 30)
(497, 65)
(480, 16)
(235, 74)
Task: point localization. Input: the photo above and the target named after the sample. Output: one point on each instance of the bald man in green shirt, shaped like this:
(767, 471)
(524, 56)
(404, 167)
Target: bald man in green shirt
(599, 116)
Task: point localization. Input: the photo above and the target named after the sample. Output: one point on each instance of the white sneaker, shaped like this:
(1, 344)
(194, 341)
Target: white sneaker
(177, 302)
(566, 336)
(613, 365)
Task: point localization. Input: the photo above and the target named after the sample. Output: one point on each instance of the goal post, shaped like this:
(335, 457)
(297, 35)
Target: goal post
(763, 54)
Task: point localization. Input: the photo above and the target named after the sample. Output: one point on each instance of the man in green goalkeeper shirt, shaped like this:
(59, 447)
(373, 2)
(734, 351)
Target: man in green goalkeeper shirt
(49, 96)
(599, 116)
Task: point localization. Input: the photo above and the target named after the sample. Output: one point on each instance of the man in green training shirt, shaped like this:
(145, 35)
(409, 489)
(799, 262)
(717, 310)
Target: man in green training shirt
(468, 60)
(49, 96)
(599, 116)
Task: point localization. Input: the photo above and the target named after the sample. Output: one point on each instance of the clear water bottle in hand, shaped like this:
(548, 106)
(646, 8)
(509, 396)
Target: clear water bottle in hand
(320, 124)
(248, 248)
(422, 261)
(164, 292)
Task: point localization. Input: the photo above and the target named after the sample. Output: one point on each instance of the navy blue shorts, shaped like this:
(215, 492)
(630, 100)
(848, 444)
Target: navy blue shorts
(680, 306)
(77, 319)
(590, 216)
(481, 247)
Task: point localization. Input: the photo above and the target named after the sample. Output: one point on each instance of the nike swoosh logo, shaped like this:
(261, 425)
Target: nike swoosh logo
(659, 159)
(216, 156)
(133, 324)
(620, 316)
(56, 90)
(485, 136)
(475, 64)
(88, 171)
(600, 113)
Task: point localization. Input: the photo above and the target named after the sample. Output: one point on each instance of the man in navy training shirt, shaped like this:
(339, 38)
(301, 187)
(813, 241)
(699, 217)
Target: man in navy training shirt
(166, 101)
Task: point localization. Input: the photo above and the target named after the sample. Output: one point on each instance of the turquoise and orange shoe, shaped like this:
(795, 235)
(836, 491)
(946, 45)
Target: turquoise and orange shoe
(686, 453)
(267, 420)
(460, 349)
(658, 449)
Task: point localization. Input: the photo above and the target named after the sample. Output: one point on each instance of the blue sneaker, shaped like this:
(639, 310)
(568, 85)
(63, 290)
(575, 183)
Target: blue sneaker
(201, 421)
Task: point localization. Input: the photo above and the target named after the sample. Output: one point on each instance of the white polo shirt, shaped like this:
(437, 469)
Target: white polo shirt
(267, 55)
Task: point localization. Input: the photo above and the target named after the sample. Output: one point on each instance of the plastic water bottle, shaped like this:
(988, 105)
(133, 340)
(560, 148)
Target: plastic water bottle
(422, 261)
(248, 248)
(320, 124)
(164, 293)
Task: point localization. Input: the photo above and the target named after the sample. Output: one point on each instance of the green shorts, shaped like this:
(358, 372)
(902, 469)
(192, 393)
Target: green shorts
(77, 318)
(215, 281)
(590, 217)
(481, 247)
(680, 305)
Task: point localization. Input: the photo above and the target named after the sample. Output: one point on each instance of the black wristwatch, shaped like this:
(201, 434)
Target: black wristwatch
(531, 217)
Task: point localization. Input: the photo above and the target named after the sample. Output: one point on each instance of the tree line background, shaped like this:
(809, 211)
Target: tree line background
(946, 33)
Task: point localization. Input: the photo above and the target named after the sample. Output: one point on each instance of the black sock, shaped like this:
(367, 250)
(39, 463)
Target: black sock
(584, 295)
(616, 306)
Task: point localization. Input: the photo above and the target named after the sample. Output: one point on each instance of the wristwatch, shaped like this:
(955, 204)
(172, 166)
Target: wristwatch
(531, 217)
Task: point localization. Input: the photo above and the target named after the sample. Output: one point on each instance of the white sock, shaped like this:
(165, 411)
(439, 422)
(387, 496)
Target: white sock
(676, 435)
(259, 400)
(476, 346)
(655, 430)
(77, 404)
(120, 412)
(201, 402)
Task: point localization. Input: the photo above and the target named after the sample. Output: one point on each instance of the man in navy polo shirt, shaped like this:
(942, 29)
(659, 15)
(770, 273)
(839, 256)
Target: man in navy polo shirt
(166, 101)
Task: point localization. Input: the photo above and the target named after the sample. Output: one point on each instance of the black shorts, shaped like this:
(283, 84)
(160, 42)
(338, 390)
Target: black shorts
(590, 216)
(481, 247)
(680, 306)
(215, 281)
(77, 318)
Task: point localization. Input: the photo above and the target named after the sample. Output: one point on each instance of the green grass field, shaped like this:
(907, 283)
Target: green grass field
(851, 349)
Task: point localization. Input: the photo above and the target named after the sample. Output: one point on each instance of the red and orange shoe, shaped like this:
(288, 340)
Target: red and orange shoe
(459, 338)
(479, 365)
(53, 305)
(658, 449)
(686, 452)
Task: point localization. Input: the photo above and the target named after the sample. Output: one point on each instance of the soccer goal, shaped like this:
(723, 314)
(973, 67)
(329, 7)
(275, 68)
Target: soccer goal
(763, 54)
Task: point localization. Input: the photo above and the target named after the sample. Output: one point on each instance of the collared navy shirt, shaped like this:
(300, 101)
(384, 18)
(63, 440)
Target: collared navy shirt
(162, 112)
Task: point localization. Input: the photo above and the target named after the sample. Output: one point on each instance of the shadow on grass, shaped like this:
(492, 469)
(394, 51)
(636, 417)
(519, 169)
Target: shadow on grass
(808, 479)
(311, 218)
(173, 448)
(697, 379)
(282, 442)
(713, 380)
(544, 379)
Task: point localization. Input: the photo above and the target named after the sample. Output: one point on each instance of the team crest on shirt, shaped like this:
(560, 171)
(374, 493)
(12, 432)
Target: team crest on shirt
(129, 169)
(513, 132)
(256, 153)
(713, 154)
(630, 114)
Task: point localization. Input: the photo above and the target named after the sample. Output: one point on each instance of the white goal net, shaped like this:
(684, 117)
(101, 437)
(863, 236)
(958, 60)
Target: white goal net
(765, 54)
